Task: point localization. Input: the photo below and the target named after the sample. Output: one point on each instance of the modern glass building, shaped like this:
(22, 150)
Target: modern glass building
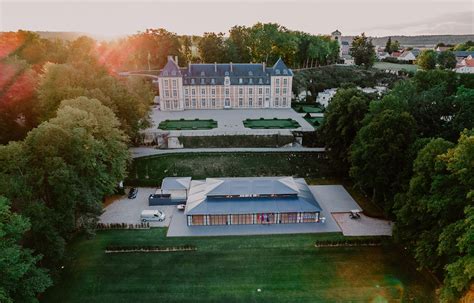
(261, 200)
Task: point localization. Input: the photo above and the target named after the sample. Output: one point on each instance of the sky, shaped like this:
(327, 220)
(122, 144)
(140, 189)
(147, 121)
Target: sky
(112, 18)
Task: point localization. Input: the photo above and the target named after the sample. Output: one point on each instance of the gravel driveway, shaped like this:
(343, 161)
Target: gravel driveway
(128, 211)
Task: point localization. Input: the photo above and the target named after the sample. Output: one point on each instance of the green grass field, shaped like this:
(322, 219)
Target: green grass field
(149, 171)
(396, 67)
(287, 268)
(187, 124)
(270, 123)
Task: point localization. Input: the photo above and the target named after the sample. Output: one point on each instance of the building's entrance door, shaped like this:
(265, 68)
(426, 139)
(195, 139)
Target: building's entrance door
(267, 103)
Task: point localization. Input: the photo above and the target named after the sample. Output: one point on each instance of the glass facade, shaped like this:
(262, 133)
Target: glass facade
(258, 218)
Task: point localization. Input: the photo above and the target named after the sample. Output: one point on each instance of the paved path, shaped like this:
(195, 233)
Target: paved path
(138, 152)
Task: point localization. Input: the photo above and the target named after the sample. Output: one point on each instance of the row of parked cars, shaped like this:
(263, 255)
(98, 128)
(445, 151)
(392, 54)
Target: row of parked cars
(151, 214)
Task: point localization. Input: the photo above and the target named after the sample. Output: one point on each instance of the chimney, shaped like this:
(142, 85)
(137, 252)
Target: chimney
(176, 60)
(263, 66)
(231, 67)
(215, 67)
(189, 66)
(170, 58)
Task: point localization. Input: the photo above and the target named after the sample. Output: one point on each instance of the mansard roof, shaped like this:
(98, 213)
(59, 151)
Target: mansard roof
(215, 73)
(171, 69)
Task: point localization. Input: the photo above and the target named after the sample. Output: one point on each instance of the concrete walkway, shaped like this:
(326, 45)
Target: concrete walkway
(138, 152)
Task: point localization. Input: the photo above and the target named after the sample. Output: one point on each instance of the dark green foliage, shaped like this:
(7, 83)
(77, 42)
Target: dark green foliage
(21, 280)
(427, 59)
(435, 215)
(61, 172)
(363, 51)
(378, 154)
(446, 60)
(342, 121)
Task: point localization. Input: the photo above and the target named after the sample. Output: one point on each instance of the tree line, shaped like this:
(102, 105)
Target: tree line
(411, 152)
(66, 120)
(262, 42)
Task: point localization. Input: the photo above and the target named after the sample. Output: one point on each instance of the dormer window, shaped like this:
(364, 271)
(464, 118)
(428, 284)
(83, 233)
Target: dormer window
(277, 71)
(203, 74)
(285, 72)
(165, 73)
(192, 81)
(241, 80)
(202, 81)
(250, 73)
(213, 81)
(173, 73)
(250, 81)
(226, 73)
(260, 81)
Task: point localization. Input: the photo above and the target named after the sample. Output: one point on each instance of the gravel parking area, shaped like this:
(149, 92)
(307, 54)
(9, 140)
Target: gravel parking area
(128, 211)
(364, 226)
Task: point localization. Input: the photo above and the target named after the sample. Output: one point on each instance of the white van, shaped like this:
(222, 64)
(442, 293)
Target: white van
(152, 215)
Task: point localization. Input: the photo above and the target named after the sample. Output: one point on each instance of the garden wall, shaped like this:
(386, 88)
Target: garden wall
(235, 141)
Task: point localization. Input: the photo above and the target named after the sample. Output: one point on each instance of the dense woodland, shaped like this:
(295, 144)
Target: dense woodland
(412, 153)
(67, 118)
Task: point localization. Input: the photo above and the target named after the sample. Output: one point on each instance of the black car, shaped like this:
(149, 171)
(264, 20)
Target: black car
(132, 194)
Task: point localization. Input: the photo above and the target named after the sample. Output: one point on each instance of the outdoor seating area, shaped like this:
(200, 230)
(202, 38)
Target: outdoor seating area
(183, 124)
(274, 123)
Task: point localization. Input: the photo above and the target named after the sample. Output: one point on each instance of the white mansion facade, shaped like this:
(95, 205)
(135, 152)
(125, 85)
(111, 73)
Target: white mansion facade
(228, 85)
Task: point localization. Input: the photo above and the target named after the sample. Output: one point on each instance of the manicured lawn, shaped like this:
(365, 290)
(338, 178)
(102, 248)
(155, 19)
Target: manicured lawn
(149, 171)
(307, 109)
(315, 121)
(270, 123)
(287, 268)
(183, 124)
(395, 66)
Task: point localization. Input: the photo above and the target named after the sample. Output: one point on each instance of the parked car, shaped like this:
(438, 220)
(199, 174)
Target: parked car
(132, 194)
(152, 215)
(181, 206)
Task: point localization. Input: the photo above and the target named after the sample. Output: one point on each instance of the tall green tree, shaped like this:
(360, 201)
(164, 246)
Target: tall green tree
(427, 59)
(446, 60)
(342, 120)
(67, 81)
(212, 48)
(65, 166)
(378, 153)
(363, 51)
(21, 279)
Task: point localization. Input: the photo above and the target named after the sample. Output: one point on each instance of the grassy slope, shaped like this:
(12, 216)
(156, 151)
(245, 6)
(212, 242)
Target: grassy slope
(200, 166)
(288, 268)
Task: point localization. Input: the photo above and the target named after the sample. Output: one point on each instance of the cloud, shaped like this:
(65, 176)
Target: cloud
(451, 23)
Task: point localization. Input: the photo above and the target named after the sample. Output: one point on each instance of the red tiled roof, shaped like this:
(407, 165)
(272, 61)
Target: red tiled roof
(469, 62)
